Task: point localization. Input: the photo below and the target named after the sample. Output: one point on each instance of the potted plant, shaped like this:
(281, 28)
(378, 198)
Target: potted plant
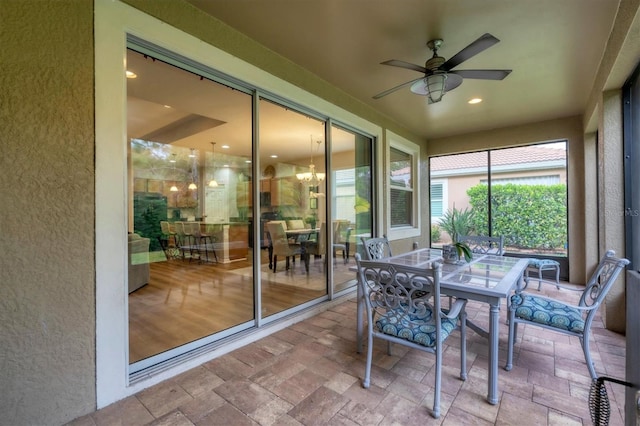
(457, 222)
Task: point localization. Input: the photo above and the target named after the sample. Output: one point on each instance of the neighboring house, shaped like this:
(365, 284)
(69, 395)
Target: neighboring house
(452, 175)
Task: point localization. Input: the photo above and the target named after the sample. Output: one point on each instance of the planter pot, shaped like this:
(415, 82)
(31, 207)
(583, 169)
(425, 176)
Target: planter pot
(450, 254)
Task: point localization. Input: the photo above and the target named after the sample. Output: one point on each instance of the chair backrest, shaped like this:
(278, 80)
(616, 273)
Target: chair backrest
(319, 245)
(283, 222)
(193, 227)
(295, 224)
(408, 294)
(376, 248)
(602, 280)
(180, 228)
(278, 238)
(483, 244)
(164, 227)
(341, 231)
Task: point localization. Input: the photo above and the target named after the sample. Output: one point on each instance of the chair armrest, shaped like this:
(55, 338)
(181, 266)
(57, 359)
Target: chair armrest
(456, 308)
(559, 286)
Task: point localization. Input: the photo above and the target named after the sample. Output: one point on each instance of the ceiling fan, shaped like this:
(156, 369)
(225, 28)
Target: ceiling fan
(439, 78)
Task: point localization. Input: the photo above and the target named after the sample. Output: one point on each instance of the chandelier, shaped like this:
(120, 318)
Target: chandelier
(311, 176)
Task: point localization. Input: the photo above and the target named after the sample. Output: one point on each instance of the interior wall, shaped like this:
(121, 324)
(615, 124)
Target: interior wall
(47, 305)
(565, 128)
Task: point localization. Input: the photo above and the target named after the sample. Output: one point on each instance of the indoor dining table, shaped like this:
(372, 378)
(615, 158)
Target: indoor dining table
(486, 278)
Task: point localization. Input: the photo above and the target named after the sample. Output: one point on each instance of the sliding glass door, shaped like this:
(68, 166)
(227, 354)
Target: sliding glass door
(190, 265)
(352, 207)
(228, 206)
(293, 219)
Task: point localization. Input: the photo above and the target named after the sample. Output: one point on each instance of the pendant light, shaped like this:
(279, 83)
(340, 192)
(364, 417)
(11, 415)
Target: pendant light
(212, 182)
(173, 188)
(192, 185)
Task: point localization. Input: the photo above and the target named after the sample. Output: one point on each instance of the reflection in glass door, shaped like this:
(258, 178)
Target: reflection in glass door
(189, 171)
(353, 207)
(292, 208)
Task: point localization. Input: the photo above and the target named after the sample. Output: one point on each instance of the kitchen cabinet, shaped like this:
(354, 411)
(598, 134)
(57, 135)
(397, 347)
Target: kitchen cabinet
(284, 192)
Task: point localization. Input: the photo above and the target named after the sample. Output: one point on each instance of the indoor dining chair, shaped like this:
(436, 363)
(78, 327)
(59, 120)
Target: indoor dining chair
(281, 245)
(341, 238)
(403, 306)
(573, 320)
(315, 247)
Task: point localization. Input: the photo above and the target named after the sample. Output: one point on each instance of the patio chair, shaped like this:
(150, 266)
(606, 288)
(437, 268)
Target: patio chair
(482, 244)
(280, 244)
(397, 314)
(376, 248)
(556, 315)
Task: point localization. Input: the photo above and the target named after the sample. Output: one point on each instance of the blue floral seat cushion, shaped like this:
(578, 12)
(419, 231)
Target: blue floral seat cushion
(547, 312)
(541, 263)
(420, 330)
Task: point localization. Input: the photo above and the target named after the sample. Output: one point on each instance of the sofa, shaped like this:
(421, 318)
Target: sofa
(138, 262)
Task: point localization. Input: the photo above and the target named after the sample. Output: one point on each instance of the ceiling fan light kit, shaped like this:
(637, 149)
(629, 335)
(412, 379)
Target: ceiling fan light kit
(439, 76)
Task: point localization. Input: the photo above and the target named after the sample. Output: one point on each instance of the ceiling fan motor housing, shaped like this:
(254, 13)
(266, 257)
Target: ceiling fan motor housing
(434, 63)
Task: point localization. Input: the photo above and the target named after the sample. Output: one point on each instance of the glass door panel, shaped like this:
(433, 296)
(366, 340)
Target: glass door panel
(190, 265)
(352, 215)
(292, 208)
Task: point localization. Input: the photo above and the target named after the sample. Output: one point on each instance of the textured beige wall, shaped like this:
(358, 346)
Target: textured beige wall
(567, 128)
(47, 373)
(611, 199)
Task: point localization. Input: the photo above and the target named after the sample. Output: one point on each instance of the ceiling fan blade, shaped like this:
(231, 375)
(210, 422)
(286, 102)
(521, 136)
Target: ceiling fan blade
(482, 74)
(484, 42)
(403, 64)
(393, 89)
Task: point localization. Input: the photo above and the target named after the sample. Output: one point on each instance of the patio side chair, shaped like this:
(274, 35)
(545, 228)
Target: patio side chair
(403, 307)
(376, 248)
(563, 317)
(482, 244)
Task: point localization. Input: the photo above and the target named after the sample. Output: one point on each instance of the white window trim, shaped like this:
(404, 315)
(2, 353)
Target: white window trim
(402, 144)
(113, 21)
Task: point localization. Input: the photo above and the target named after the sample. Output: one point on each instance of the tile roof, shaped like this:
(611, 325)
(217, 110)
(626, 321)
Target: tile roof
(519, 155)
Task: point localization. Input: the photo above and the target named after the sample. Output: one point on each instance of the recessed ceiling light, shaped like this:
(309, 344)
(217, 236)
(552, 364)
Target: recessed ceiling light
(475, 101)
(247, 161)
(131, 74)
(274, 156)
(167, 106)
(225, 146)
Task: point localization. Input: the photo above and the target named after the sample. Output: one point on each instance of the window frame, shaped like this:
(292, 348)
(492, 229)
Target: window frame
(404, 145)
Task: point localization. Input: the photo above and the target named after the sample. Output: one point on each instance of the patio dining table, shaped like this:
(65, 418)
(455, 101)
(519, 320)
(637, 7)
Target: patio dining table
(487, 278)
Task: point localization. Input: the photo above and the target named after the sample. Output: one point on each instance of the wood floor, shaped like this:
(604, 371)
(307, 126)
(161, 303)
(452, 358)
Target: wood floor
(186, 301)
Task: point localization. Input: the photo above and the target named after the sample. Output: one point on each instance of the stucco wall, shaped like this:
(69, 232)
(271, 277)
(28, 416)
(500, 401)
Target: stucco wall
(611, 201)
(47, 373)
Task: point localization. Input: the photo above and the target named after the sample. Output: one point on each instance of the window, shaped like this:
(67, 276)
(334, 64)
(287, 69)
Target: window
(519, 193)
(438, 199)
(403, 201)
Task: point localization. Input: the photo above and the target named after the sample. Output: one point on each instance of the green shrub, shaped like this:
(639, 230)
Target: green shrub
(435, 233)
(528, 216)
